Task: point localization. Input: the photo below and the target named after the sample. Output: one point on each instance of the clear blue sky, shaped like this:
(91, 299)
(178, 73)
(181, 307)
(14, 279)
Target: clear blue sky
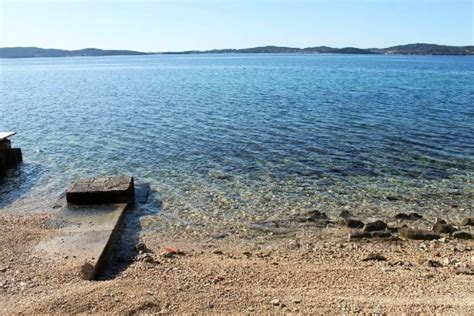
(205, 24)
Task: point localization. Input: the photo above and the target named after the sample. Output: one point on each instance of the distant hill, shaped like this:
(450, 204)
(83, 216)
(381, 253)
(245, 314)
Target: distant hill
(427, 49)
(24, 52)
(409, 49)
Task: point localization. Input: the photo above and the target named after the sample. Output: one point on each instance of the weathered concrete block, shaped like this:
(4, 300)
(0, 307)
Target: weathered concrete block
(101, 191)
(5, 144)
(3, 166)
(19, 155)
(12, 157)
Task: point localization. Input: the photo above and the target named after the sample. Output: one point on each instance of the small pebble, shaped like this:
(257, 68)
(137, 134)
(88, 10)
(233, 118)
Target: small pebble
(275, 302)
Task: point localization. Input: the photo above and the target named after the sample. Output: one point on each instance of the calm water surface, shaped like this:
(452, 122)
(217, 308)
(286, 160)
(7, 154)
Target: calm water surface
(229, 140)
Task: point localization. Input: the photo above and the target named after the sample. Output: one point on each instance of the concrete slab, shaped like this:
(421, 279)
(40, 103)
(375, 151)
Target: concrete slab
(101, 190)
(86, 233)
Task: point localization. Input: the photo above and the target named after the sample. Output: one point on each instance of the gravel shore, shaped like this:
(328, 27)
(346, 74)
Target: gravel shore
(323, 272)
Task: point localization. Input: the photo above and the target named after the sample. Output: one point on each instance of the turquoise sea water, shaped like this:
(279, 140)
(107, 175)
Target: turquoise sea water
(227, 139)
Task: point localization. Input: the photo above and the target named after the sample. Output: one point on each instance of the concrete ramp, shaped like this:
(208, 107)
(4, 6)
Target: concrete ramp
(87, 231)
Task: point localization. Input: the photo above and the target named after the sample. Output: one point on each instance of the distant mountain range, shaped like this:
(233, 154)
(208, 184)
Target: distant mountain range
(409, 49)
(28, 52)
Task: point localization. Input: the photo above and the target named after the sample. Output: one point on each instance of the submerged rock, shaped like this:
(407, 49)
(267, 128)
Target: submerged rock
(351, 223)
(441, 227)
(417, 234)
(375, 226)
(410, 216)
(462, 235)
(392, 197)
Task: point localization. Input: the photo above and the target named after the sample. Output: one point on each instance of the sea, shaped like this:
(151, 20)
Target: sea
(226, 141)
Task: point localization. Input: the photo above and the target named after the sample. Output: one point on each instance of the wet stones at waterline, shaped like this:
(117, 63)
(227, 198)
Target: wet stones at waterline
(442, 227)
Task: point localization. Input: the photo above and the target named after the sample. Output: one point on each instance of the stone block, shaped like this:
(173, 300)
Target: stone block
(3, 166)
(5, 144)
(19, 154)
(12, 157)
(101, 191)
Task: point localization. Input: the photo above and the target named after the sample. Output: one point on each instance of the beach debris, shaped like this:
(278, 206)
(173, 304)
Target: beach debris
(170, 252)
(374, 257)
(462, 235)
(417, 234)
(375, 226)
(296, 300)
(468, 221)
(441, 227)
(408, 216)
(351, 223)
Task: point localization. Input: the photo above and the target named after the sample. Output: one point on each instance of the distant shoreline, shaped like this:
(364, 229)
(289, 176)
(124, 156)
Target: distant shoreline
(418, 49)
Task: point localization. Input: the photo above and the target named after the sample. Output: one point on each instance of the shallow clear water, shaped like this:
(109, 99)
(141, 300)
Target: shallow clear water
(233, 139)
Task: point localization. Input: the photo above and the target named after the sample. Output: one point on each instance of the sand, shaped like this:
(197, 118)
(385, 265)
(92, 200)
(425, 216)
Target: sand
(312, 273)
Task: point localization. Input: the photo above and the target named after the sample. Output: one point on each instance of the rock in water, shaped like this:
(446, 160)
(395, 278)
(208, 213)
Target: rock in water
(410, 216)
(417, 234)
(351, 223)
(375, 226)
(462, 235)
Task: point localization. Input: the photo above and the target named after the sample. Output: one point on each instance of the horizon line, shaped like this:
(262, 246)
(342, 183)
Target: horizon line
(227, 48)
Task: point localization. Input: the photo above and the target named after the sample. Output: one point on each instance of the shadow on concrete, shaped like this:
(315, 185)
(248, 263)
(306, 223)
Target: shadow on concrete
(18, 182)
(123, 248)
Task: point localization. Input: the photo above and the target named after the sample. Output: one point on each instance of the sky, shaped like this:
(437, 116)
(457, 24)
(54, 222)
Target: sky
(156, 26)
